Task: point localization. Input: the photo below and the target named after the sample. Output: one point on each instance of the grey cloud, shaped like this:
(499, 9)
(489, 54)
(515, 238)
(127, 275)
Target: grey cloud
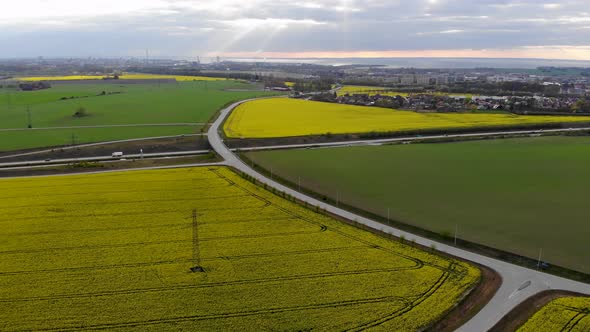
(182, 28)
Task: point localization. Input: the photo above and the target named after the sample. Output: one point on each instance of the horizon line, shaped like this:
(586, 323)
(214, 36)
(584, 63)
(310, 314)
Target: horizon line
(555, 52)
(228, 56)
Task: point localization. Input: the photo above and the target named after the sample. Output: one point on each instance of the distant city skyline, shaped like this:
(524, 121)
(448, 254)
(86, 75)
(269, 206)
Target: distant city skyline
(298, 29)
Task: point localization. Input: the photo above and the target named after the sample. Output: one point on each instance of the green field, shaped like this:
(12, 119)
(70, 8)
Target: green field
(114, 251)
(183, 102)
(519, 195)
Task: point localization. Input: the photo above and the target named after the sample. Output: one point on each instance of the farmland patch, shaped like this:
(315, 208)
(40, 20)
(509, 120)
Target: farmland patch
(563, 314)
(283, 117)
(115, 251)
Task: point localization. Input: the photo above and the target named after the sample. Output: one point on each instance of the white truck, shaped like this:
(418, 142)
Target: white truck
(117, 154)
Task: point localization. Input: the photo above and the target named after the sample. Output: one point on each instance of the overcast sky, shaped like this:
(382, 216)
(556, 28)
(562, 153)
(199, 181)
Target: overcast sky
(297, 28)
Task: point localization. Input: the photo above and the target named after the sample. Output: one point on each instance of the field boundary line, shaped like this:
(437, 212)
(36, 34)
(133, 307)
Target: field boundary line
(179, 124)
(221, 163)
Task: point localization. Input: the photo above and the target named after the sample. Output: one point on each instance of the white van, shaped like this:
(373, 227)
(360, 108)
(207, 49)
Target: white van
(117, 154)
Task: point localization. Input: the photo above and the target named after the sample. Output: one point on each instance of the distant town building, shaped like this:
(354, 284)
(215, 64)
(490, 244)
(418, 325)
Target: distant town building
(423, 79)
(408, 79)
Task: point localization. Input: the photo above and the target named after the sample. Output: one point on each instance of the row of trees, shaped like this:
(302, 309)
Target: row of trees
(478, 87)
(582, 106)
(322, 84)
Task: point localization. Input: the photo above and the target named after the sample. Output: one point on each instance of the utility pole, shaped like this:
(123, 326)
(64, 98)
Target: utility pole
(29, 117)
(388, 216)
(337, 199)
(196, 253)
(299, 183)
(73, 139)
(539, 261)
(456, 231)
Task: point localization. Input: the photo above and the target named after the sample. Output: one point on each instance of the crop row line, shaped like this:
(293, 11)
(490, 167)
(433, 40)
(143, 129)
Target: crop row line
(77, 194)
(226, 315)
(98, 267)
(208, 285)
(122, 183)
(415, 260)
(95, 230)
(114, 214)
(138, 244)
(134, 265)
(122, 202)
(574, 321)
(147, 227)
(430, 291)
(391, 251)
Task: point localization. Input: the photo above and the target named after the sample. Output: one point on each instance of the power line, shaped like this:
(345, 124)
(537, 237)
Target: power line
(196, 252)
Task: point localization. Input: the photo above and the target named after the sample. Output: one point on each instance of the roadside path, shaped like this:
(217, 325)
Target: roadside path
(101, 158)
(95, 144)
(408, 139)
(518, 283)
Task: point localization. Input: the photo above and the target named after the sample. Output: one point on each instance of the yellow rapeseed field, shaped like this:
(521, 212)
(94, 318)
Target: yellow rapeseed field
(282, 117)
(114, 251)
(126, 76)
(564, 314)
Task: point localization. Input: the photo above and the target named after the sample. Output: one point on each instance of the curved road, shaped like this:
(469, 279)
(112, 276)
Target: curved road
(518, 283)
